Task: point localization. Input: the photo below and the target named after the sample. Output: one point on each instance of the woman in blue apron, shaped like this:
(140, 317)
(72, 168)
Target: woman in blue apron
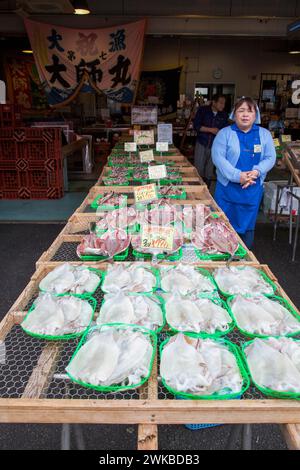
(243, 153)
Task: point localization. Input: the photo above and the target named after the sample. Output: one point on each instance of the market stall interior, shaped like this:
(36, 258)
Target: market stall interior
(141, 303)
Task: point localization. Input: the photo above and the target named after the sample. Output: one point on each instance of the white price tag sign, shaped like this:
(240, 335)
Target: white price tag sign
(146, 156)
(130, 146)
(162, 146)
(286, 138)
(157, 172)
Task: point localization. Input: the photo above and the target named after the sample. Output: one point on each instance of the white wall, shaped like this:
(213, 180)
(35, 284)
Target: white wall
(242, 60)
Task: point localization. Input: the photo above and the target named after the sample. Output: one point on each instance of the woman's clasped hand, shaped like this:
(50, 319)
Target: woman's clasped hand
(248, 178)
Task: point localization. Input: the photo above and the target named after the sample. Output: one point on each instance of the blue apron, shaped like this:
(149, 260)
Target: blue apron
(241, 205)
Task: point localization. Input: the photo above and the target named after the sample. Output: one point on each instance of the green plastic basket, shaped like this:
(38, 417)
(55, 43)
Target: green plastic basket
(126, 175)
(263, 275)
(154, 271)
(120, 257)
(278, 299)
(217, 333)
(265, 390)
(116, 388)
(107, 207)
(216, 396)
(89, 299)
(166, 182)
(172, 257)
(181, 196)
(150, 296)
(86, 294)
(241, 252)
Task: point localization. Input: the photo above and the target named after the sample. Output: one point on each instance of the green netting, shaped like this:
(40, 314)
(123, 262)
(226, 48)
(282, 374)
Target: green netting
(154, 271)
(265, 390)
(217, 333)
(263, 275)
(107, 207)
(275, 298)
(116, 388)
(164, 256)
(156, 298)
(215, 396)
(241, 252)
(89, 299)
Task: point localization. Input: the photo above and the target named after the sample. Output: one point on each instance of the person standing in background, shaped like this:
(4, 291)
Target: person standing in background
(207, 123)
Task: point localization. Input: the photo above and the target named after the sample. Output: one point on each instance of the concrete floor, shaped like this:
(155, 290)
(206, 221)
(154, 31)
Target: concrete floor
(22, 245)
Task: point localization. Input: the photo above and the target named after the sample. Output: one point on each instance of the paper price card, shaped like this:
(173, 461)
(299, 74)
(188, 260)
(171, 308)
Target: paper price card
(146, 156)
(157, 172)
(130, 146)
(286, 138)
(162, 146)
(155, 236)
(143, 137)
(276, 142)
(145, 193)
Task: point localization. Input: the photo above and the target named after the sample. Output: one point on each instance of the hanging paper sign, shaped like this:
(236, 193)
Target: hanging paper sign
(165, 133)
(144, 137)
(146, 156)
(286, 138)
(130, 146)
(162, 146)
(145, 193)
(106, 60)
(157, 237)
(276, 142)
(157, 172)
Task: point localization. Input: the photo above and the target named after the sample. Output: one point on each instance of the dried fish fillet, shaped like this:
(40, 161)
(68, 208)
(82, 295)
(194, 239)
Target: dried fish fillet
(241, 280)
(58, 316)
(200, 367)
(185, 279)
(69, 278)
(133, 309)
(275, 363)
(196, 314)
(133, 278)
(112, 356)
(263, 316)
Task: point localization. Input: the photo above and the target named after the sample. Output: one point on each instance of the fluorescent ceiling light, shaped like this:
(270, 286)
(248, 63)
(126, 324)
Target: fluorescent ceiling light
(294, 52)
(27, 51)
(81, 7)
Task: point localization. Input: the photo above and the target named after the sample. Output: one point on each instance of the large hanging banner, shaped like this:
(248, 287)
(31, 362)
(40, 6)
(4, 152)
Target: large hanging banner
(160, 87)
(72, 60)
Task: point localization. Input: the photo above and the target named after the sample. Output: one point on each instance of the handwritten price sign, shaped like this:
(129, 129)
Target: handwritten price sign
(146, 156)
(162, 146)
(143, 137)
(276, 142)
(286, 138)
(145, 193)
(157, 237)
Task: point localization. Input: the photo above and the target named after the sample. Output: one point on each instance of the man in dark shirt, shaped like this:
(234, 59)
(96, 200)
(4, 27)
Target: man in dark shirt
(208, 121)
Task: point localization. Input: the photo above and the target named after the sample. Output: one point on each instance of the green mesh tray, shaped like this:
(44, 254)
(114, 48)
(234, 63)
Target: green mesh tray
(166, 182)
(107, 207)
(89, 299)
(263, 275)
(120, 257)
(181, 196)
(215, 396)
(117, 388)
(86, 294)
(265, 390)
(154, 271)
(126, 175)
(205, 273)
(172, 257)
(241, 252)
(110, 182)
(150, 296)
(281, 301)
(217, 333)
